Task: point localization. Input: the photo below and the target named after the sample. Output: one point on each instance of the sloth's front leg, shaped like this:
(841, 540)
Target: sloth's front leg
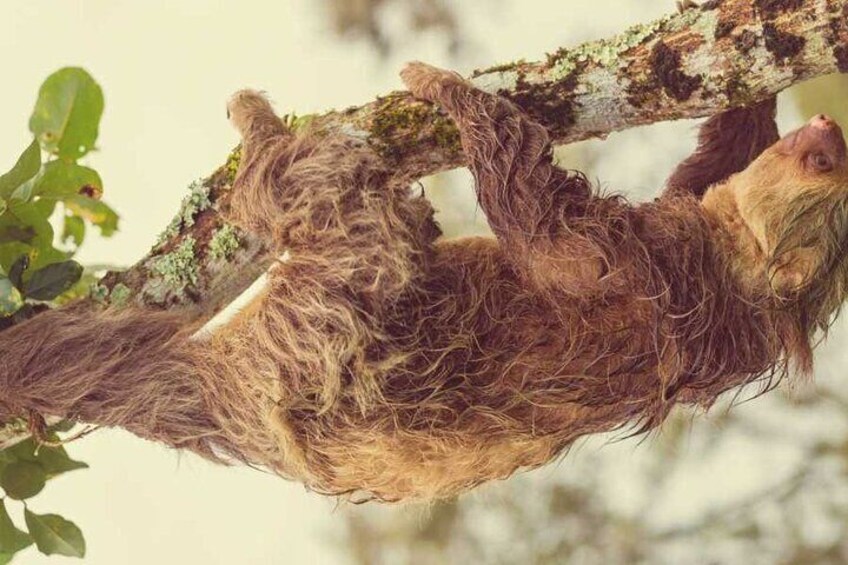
(527, 199)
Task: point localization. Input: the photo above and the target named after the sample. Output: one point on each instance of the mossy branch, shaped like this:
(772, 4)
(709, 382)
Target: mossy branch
(690, 64)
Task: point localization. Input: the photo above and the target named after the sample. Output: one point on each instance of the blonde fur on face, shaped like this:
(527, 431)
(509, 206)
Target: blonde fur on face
(799, 221)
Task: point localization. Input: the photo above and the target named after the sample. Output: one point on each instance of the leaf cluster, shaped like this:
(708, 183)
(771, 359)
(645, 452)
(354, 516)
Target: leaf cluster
(24, 470)
(48, 199)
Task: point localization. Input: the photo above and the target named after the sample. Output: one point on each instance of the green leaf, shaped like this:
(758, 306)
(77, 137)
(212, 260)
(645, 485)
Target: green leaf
(67, 114)
(82, 289)
(74, 230)
(6, 558)
(16, 273)
(54, 534)
(56, 461)
(10, 298)
(52, 280)
(53, 460)
(22, 479)
(96, 212)
(10, 251)
(12, 540)
(61, 179)
(3, 205)
(27, 221)
(24, 192)
(28, 165)
(26, 228)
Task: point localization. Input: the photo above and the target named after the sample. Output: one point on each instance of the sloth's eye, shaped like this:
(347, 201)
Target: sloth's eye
(820, 162)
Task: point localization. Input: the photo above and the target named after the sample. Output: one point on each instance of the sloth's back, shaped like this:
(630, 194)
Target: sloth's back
(481, 378)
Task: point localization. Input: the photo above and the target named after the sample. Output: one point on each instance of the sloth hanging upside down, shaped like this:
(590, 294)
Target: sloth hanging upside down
(383, 362)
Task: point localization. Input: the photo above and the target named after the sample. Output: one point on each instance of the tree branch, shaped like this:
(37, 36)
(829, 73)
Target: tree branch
(695, 63)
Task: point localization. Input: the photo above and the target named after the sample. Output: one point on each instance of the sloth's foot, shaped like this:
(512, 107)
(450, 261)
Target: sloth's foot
(426, 81)
(250, 110)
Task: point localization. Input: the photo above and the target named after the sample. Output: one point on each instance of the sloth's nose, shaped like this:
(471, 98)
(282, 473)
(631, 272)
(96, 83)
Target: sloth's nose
(823, 122)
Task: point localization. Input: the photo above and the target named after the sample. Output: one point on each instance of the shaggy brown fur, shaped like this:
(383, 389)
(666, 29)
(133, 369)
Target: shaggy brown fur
(385, 364)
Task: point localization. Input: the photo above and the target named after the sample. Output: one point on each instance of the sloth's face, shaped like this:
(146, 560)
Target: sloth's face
(794, 199)
(817, 148)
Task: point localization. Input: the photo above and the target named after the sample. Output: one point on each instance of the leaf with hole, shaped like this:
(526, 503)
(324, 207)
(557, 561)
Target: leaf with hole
(28, 165)
(61, 179)
(22, 479)
(67, 114)
(12, 540)
(51, 281)
(55, 535)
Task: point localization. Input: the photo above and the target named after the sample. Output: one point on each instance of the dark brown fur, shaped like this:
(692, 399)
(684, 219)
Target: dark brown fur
(386, 364)
(727, 142)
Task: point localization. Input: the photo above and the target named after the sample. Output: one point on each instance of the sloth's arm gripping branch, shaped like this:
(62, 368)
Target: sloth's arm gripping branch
(524, 196)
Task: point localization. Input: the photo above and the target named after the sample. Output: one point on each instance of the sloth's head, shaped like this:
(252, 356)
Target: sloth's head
(794, 200)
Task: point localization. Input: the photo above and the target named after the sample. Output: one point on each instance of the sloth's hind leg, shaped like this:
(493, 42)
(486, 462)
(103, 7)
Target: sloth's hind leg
(359, 240)
(328, 199)
(251, 114)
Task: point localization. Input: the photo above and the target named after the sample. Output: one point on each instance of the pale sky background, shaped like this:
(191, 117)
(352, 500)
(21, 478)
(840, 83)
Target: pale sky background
(167, 68)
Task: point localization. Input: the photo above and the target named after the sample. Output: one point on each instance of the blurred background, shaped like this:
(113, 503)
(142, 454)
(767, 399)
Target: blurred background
(764, 483)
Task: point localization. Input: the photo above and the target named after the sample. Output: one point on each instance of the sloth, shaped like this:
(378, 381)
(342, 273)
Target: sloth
(382, 362)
